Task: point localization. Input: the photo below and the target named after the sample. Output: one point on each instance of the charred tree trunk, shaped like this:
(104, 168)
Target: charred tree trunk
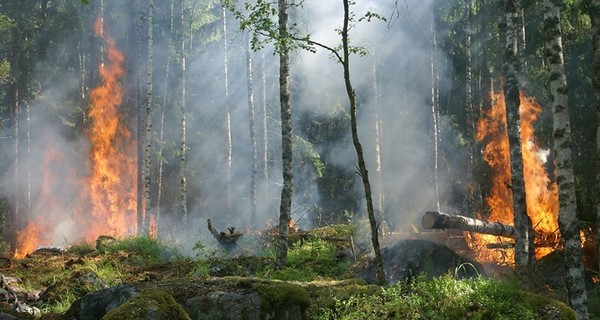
(440, 220)
(565, 176)
(524, 252)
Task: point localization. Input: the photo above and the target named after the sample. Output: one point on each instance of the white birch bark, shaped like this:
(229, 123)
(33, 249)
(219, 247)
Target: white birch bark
(565, 177)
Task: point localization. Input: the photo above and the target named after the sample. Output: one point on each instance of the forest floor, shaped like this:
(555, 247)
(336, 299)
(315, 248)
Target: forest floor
(50, 283)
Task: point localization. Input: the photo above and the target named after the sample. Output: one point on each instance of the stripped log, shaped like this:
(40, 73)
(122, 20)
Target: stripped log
(440, 220)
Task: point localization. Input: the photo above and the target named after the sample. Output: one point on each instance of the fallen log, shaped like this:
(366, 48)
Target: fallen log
(441, 220)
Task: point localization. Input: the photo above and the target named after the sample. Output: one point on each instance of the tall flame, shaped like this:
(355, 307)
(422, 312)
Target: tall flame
(106, 203)
(112, 183)
(541, 192)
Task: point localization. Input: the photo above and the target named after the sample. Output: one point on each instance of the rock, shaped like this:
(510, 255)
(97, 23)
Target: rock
(410, 257)
(95, 305)
(150, 305)
(221, 298)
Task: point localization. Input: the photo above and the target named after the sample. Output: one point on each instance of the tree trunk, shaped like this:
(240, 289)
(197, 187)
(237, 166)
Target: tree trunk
(594, 12)
(435, 107)
(16, 221)
(565, 177)
(228, 142)
(472, 186)
(252, 127)
(380, 273)
(183, 111)
(265, 134)
(286, 136)
(163, 108)
(522, 44)
(378, 143)
(440, 220)
(137, 95)
(524, 236)
(148, 124)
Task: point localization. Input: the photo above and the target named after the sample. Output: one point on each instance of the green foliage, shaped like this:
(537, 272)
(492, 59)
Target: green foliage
(279, 294)
(448, 298)
(313, 259)
(146, 249)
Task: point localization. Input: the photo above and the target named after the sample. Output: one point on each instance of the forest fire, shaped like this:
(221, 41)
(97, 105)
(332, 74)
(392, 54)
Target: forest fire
(541, 192)
(106, 203)
(111, 187)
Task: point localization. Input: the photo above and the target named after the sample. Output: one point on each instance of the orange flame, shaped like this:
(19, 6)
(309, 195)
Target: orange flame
(107, 198)
(112, 183)
(541, 193)
(37, 229)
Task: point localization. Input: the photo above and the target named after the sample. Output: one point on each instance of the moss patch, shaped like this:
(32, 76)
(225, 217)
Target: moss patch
(150, 304)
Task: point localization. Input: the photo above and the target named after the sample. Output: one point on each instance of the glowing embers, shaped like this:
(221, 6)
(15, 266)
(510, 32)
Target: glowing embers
(541, 192)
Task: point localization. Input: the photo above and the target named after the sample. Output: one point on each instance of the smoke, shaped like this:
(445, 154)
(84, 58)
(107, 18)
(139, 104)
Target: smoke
(398, 52)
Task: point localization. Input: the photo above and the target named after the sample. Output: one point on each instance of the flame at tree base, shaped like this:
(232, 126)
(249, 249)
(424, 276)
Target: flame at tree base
(106, 204)
(541, 192)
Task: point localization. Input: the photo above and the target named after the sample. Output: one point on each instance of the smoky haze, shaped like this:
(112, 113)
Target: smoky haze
(399, 52)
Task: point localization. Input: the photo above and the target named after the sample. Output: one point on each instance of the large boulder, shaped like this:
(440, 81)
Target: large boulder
(194, 298)
(410, 257)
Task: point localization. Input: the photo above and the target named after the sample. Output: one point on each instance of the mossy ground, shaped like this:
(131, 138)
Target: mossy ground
(316, 278)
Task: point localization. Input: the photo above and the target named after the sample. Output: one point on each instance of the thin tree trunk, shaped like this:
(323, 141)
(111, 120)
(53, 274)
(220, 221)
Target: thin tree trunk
(228, 142)
(16, 221)
(148, 123)
(380, 273)
(265, 132)
(565, 176)
(159, 182)
(471, 184)
(252, 127)
(183, 111)
(435, 110)
(524, 237)
(378, 143)
(286, 136)
(137, 70)
(594, 12)
(28, 155)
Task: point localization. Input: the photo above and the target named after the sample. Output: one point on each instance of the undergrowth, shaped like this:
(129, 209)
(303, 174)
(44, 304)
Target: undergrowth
(446, 298)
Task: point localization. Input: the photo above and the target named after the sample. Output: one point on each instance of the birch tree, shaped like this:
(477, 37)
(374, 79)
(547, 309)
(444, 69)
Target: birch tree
(183, 111)
(148, 122)
(252, 127)
(565, 176)
(435, 94)
(524, 235)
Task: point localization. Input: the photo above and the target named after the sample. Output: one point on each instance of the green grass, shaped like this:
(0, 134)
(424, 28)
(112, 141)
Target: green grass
(446, 298)
(145, 249)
